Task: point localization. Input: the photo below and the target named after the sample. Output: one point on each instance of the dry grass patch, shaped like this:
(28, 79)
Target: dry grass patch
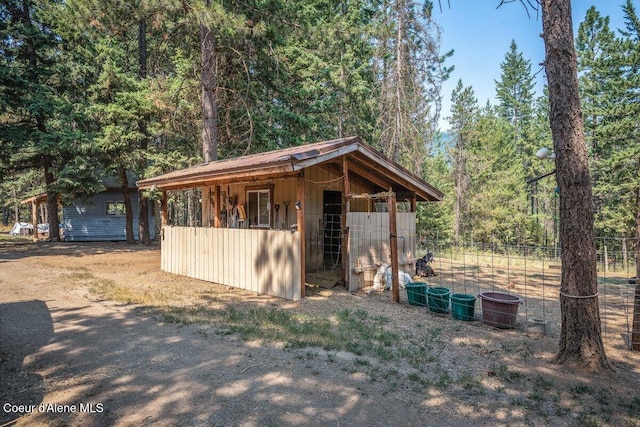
(477, 368)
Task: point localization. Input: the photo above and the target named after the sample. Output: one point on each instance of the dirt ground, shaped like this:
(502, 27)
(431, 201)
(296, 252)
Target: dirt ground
(70, 358)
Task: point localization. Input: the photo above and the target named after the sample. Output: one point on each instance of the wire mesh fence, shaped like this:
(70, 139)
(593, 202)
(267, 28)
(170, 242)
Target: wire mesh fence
(518, 285)
(506, 286)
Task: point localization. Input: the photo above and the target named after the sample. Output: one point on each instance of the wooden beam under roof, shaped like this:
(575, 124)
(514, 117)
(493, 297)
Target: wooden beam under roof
(369, 176)
(405, 195)
(226, 180)
(398, 174)
(378, 176)
(358, 175)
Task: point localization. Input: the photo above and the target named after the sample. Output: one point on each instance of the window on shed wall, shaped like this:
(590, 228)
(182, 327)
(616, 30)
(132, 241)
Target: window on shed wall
(259, 208)
(116, 209)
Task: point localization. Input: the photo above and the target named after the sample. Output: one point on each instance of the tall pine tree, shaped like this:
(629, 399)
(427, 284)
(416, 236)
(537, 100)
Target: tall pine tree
(42, 124)
(580, 335)
(464, 111)
(514, 90)
(596, 48)
(409, 71)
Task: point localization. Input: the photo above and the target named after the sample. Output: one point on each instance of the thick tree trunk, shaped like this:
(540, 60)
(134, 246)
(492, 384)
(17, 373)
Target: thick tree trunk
(52, 200)
(143, 202)
(209, 100)
(126, 197)
(399, 81)
(46, 160)
(144, 234)
(580, 336)
(16, 206)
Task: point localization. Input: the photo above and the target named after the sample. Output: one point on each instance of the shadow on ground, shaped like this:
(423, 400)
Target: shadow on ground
(13, 252)
(119, 367)
(25, 326)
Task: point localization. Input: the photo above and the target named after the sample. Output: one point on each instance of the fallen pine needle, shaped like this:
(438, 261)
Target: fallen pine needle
(251, 366)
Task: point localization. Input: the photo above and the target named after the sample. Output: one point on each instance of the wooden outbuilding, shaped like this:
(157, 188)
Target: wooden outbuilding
(39, 216)
(99, 217)
(269, 219)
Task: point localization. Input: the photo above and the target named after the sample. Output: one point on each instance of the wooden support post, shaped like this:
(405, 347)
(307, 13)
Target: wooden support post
(300, 218)
(393, 242)
(343, 222)
(205, 206)
(216, 220)
(34, 220)
(228, 207)
(43, 213)
(163, 208)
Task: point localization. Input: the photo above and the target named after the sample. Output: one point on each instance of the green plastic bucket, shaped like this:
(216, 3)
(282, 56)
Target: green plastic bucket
(416, 293)
(438, 299)
(463, 306)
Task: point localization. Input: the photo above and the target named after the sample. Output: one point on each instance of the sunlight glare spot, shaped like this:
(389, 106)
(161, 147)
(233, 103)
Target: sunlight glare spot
(235, 389)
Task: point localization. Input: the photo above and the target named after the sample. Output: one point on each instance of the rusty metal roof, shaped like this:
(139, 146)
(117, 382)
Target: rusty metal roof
(288, 162)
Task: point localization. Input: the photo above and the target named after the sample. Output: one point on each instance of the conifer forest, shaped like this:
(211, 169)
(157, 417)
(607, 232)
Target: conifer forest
(94, 88)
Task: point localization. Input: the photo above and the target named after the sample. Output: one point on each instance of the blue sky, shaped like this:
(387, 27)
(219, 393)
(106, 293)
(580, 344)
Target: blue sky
(480, 34)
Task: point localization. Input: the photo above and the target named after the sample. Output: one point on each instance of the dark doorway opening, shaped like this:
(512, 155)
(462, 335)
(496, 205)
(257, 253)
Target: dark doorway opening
(332, 232)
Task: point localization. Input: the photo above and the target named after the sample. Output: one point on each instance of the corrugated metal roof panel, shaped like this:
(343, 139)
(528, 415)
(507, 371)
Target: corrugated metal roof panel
(287, 161)
(260, 161)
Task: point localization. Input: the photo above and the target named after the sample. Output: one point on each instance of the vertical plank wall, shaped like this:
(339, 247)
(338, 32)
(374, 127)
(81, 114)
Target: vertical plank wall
(263, 261)
(369, 243)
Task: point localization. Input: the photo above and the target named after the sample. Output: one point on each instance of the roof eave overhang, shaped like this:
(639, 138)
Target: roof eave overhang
(197, 179)
(404, 178)
(293, 165)
(282, 169)
(325, 157)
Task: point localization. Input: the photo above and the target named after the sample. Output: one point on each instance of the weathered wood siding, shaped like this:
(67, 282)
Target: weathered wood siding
(369, 244)
(264, 261)
(284, 191)
(317, 180)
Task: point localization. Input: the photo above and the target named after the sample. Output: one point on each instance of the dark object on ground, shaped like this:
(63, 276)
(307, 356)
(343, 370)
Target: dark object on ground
(633, 281)
(423, 269)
